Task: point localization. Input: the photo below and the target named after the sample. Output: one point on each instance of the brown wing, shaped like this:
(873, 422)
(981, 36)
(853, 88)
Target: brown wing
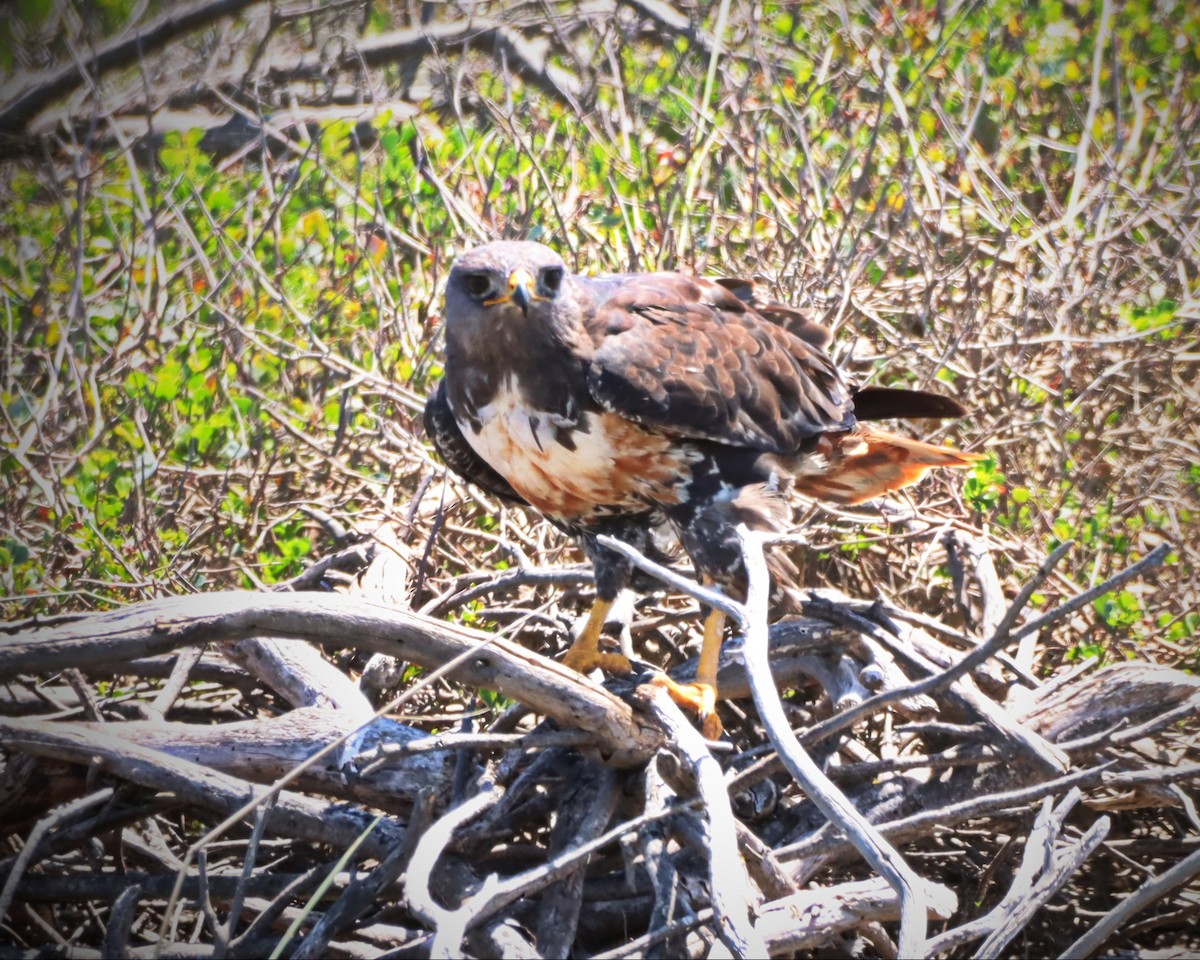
(798, 320)
(871, 402)
(688, 357)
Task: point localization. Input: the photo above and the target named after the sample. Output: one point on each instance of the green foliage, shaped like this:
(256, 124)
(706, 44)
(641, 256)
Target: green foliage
(1119, 611)
(225, 343)
(984, 486)
(493, 700)
(1159, 317)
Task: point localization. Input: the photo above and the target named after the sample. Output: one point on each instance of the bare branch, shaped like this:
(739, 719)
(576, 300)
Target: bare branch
(484, 660)
(112, 55)
(1149, 892)
(916, 895)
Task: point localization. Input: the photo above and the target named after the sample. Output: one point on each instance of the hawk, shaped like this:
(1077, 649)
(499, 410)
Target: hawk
(617, 404)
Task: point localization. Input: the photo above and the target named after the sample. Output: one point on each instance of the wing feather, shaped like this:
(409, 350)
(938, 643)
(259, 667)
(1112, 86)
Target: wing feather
(689, 357)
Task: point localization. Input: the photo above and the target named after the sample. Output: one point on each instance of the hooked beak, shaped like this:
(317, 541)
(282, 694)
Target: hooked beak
(520, 288)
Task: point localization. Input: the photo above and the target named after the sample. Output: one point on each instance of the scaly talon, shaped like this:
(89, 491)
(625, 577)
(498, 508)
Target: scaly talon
(700, 698)
(701, 695)
(585, 654)
(711, 727)
(581, 662)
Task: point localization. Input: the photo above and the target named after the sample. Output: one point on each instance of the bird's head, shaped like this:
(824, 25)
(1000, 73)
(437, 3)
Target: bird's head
(505, 286)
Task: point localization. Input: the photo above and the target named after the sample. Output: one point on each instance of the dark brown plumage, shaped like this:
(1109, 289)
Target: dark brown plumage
(618, 404)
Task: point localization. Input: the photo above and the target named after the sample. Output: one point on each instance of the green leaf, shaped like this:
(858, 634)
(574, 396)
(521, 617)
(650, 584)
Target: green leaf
(168, 379)
(34, 11)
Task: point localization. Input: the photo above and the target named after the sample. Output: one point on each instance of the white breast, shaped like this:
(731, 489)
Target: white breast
(608, 463)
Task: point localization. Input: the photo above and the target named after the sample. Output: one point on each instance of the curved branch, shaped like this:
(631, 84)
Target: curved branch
(112, 55)
(484, 660)
(917, 896)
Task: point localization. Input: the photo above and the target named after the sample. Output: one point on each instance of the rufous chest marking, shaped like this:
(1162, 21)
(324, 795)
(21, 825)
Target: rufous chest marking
(597, 464)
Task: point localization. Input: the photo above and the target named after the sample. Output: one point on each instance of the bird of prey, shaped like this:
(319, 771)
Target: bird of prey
(617, 404)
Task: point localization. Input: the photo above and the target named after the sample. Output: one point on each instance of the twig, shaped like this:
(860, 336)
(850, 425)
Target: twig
(1040, 875)
(325, 884)
(1150, 891)
(915, 893)
(677, 581)
(912, 645)
(449, 926)
(670, 897)
(1033, 585)
(1151, 560)
(120, 919)
(296, 887)
(442, 605)
(1095, 101)
(44, 826)
(733, 899)
(807, 920)
(639, 946)
(224, 933)
(1002, 636)
(187, 658)
(1059, 871)
(954, 813)
(493, 894)
(390, 752)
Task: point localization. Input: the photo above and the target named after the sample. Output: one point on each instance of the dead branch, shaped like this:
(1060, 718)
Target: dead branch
(115, 54)
(399, 46)
(808, 919)
(1149, 892)
(482, 660)
(1004, 635)
(263, 751)
(1042, 873)
(915, 893)
(47, 823)
(734, 898)
(291, 814)
(587, 813)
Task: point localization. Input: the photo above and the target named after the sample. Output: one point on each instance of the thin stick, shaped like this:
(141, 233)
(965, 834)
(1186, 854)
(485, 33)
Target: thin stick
(1150, 891)
(1001, 638)
(676, 581)
(449, 928)
(48, 822)
(1094, 101)
(1153, 559)
(911, 888)
(733, 898)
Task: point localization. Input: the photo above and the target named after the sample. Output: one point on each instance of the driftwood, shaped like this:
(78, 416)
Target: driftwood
(224, 775)
(471, 657)
(331, 743)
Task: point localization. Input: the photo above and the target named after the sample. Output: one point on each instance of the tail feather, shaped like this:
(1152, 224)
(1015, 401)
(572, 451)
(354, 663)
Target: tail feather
(887, 403)
(866, 463)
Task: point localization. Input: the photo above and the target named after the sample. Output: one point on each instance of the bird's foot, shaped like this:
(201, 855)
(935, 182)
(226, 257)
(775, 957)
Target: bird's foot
(583, 660)
(585, 654)
(700, 698)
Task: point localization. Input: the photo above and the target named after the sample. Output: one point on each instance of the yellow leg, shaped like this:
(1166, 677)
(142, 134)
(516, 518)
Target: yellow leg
(584, 655)
(701, 694)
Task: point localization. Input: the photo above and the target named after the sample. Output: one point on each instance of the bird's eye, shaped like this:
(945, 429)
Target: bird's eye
(552, 278)
(477, 284)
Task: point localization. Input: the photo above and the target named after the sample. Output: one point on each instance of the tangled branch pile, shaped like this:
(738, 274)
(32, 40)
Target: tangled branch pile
(223, 233)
